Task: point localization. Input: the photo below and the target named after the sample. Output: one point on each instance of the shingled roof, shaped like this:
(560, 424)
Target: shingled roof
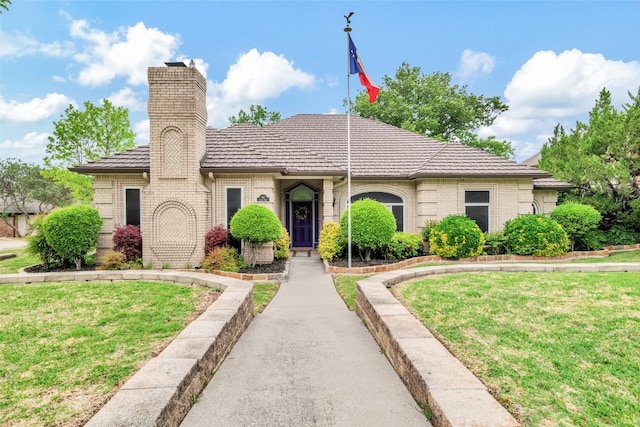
(316, 144)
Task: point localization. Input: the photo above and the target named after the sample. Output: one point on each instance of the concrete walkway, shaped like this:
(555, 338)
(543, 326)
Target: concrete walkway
(306, 360)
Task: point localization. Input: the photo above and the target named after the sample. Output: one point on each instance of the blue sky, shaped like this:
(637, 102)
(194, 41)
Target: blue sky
(546, 59)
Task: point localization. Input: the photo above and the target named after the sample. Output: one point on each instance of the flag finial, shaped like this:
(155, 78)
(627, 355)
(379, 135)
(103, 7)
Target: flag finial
(347, 29)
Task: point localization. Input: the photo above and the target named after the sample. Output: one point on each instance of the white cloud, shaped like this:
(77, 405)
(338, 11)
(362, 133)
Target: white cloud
(126, 97)
(254, 78)
(30, 149)
(559, 88)
(474, 63)
(142, 132)
(126, 52)
(34, 110)
(18, 44)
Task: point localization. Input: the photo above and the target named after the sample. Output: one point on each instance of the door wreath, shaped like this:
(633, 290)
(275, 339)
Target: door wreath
(302, 213)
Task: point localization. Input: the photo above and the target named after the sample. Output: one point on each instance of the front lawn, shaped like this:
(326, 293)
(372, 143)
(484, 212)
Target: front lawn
(23, 259)
(626, 256)
(554, 348)
(65, 347)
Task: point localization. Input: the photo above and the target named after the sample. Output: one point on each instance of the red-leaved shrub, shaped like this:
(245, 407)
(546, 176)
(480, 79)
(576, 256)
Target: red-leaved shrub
(216, 237)
(128, 240)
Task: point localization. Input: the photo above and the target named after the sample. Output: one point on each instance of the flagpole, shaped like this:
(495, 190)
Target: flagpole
(347, 30)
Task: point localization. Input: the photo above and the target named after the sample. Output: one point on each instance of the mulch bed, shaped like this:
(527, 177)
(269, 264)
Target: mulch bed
(276, 267)
(39, 268)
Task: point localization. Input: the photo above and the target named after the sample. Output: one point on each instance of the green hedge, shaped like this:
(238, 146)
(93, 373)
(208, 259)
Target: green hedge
(536, 235)
(578, 221)
(456, 236)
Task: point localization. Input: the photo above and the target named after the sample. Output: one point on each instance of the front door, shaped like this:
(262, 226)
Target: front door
(302, 235)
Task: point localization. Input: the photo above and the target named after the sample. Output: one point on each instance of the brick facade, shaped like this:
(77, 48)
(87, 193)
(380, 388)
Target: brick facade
(180, 199)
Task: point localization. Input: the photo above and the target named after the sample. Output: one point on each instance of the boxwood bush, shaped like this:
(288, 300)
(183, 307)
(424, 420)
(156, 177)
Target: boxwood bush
(330, 244)
(456, 236)
(536, 235)
(372, 226)
(256, 225)
(72, 232)
(578, 221)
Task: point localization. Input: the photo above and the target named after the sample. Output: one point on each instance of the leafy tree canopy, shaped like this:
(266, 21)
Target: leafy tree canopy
(82, 136)
(602, 158)
(258, 115)
(432, 106)
(4, 6)
(24, 189)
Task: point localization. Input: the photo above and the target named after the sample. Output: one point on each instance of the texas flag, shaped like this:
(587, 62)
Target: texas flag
(356, 67)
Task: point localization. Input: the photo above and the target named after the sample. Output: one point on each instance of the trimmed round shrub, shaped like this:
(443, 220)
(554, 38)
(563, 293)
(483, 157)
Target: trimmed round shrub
(330, 244)
(536, 235)
(72, 232)
(222, 258)
(456, 236)
(578, 221)
(39, 247)
(256, 225)
(128, 240)
(372, 225)
(403, 246)
(217, 236)
(281, 245)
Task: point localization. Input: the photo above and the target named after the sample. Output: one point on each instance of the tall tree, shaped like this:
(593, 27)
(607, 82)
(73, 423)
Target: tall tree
(82, 136)
(258, 115)
(24, 190)
(432, 106)
(602, 158)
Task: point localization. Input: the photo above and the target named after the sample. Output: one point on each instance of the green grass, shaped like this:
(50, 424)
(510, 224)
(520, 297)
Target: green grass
(263, 293)
(627, 256)
(346, 287)
(23, 259)
(555, 348)
(65, 346)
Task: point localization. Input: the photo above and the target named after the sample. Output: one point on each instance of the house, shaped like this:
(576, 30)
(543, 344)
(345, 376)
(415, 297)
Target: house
(191, 177)
(14, 221)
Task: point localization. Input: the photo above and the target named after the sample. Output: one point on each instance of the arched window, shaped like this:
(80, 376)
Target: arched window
(393, 202)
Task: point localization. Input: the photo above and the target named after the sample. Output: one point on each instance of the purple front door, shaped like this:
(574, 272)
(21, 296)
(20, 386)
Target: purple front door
(302, 234)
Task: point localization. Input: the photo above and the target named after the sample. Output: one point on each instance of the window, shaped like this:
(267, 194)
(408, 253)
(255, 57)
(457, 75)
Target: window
(234, 203)
(534, 208)
(476, 206)
(391, 201)
(132, 206)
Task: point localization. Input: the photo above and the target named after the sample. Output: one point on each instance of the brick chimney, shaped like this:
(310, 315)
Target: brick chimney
(176, 212)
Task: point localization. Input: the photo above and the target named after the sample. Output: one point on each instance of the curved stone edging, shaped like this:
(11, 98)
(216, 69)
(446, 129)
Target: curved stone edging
(569, 256)
(164, 389)
(431, 373)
